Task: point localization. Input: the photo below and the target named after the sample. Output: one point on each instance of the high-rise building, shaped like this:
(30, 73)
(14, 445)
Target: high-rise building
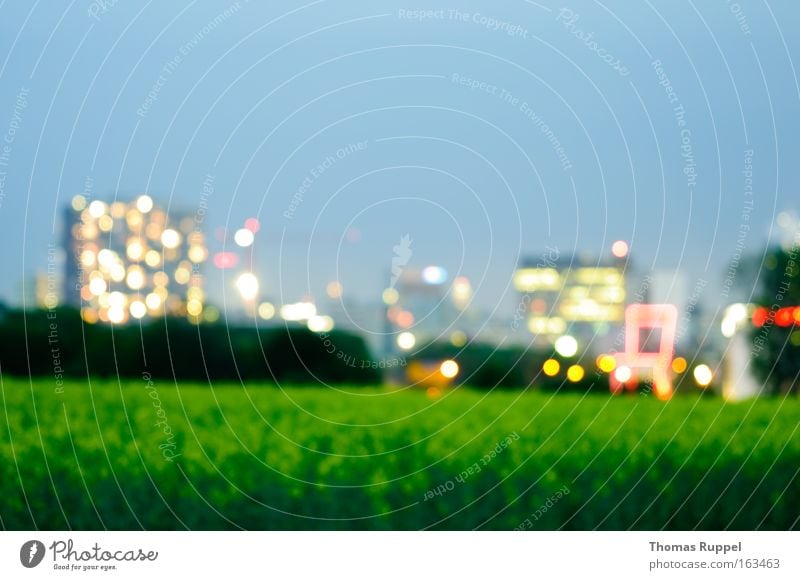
(132, 260)
(580, 298)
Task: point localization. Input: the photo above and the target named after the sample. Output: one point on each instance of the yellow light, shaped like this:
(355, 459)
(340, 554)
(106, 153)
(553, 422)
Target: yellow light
(97, 208)
(160, 278)
(89, 231)
(170, 239)
(195, 293)
(551, 367)
(144, 203)
(97, 286)
(566, 346)
(449, 369)
(138, 309)
(462, 291)
(153, 230)
(247, 284)
(679, 365)
(117, 210)
(334, 290)
(458, 338)
(153, 301)
(320, 323)
(183, 275)
(406, 340)
(135, 278)
(89, 315)
(606, 363)
(50, 300)
(117, 272)
(390, 296)
(599, 277)
(266, 310)
(194, 307)
(575, 373)
(556, 325)
(88, 258)
(533, 279)
(197, 254)
(152, 258)
(537, 325)
(211, 314)
(134, 219)
(703, 375)
(135, 249)
(623, 374)
(78, 203)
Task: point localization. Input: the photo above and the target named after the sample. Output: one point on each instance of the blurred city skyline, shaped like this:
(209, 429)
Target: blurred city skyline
(485, 138)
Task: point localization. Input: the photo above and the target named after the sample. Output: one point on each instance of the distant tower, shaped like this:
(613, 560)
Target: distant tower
(132, 260)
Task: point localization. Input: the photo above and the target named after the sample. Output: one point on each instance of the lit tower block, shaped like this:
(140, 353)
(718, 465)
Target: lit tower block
(649, 317)
(132, 260)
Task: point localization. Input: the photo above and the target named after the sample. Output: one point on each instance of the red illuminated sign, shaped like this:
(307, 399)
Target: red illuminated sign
(647, 317)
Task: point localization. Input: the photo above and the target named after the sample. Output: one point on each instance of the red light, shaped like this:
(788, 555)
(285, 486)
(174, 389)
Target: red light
(784, 317)
(759, 316)
(405, 319)
(225, 260)
(252, 225)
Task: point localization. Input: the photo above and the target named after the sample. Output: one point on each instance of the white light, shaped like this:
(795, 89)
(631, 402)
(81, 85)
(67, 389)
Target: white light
(449, 369)
(106, 258)
(734, 315)
(153, 301)
(298, 311)
(243, 238)
(117, 300)
(144, 204)
(247, 284)
(138, 309)
(170, 238)
(566, 346)
(703, 375)
(116, 314)
(320, 323)
(728, 327)
(97, 208)
(623, 374)
(97, 286)
(135, 278)
(434, 275)
(406, 340)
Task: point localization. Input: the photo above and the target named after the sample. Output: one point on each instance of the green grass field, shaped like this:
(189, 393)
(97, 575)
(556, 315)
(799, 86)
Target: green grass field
(125, 456)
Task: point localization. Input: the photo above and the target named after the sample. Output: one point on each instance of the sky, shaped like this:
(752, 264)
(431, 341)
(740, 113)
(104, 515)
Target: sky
(486, 132)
